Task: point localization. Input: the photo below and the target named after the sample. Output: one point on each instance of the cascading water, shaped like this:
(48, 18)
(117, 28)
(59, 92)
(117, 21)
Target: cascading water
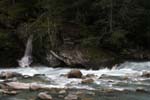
(125, 82)
(26, 60)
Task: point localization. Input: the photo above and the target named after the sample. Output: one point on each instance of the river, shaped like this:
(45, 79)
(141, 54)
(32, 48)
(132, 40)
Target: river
(124, 81)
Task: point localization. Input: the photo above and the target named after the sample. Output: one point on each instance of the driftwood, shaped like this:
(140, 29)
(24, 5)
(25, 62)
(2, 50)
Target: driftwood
(68, 58)
(56, 56)
(63, 59)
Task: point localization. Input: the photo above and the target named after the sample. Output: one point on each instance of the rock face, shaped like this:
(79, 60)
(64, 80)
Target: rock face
(44, 96)
(52, 61)
(81, 57)
(73, 57)
(75, 74)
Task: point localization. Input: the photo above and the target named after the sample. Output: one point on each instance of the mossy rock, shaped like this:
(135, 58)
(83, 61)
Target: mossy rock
(99, 58)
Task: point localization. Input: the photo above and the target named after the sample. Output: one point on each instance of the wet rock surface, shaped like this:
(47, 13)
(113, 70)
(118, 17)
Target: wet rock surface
(87, 81)
(17, 85)
(9, 92)
(35, 87)
(90, 75)
(9, 74)
(146, 74)
(62, 92)
(44, 96)
(71, 97)
(75, 74)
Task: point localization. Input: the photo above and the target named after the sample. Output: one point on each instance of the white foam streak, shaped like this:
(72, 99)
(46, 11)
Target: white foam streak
(132, 71)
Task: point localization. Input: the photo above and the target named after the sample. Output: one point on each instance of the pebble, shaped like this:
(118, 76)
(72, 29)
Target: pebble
(44, 96)
(87, 81)
(71, 97)
(35, 87)
(62, 92)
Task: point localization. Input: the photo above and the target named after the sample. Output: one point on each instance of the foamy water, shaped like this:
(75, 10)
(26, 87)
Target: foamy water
(125, 76)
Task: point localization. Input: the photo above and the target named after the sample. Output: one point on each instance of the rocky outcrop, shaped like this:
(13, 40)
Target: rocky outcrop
(52, 60)
(68, 57)
(80, 58)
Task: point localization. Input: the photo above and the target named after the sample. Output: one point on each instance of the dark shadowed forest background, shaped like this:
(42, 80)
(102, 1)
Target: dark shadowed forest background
(91, 32)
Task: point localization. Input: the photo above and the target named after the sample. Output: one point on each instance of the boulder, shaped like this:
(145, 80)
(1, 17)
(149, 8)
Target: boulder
(44, 96)
(87, 81)
(75, 74)
(90, 75)
(17, 85)
(62, 92)
(146, 74)
(35, 87)
(9, 74)
(140, 90)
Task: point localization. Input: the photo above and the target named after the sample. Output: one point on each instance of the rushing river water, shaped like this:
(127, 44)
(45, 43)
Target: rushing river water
(125, 78)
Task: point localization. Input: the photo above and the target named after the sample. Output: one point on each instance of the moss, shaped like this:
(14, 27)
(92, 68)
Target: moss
(97, 53)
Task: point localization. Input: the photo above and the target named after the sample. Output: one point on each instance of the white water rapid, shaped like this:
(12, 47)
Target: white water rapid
(126, 76)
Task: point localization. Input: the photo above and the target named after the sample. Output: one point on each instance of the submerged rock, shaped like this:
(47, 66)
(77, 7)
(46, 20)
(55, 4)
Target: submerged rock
(17, 85)
(71, 97)
(26, 76)
(10, 92)
(64, 75)
(87, 98)
(140, 90)
(8, 74)
(90, 75)
(87, 81)
(44, 96)
(109, 90)
(75, 74)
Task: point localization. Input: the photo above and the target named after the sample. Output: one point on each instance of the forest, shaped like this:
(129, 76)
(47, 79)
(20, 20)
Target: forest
(107, 30)
(74, 49)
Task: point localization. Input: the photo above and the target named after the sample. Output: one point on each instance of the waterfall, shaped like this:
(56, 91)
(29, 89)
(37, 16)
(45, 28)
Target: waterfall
(26, 60)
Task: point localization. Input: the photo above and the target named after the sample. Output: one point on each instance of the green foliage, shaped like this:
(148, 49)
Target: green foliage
(93, 23)
(118, 38)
